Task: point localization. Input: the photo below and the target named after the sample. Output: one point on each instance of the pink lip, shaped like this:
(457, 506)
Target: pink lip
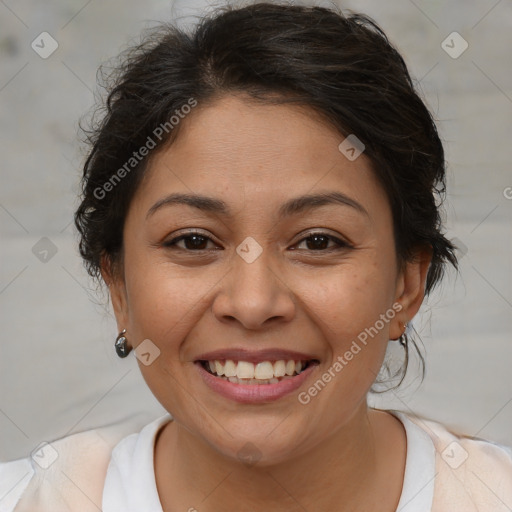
(254, 393)
(242, 354)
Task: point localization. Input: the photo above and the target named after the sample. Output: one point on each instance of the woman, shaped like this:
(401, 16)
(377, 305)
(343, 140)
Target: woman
(261, 201)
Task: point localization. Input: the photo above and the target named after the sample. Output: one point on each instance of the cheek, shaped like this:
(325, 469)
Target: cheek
(162, 304)
(349, 299)
(165, 300)
(353, 309)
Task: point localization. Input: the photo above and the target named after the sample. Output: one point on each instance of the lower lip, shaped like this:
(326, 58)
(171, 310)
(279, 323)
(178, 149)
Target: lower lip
(254, 393)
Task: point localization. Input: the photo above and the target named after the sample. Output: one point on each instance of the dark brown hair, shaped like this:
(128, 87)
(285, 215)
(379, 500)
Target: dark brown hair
(342, 67)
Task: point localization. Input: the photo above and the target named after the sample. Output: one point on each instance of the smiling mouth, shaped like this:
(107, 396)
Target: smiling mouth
(264, 372)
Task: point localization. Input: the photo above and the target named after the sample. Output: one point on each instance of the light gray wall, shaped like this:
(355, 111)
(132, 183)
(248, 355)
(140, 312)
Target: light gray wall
(58, 371)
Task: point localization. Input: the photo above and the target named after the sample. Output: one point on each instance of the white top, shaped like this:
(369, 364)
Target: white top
(130, 485)
(443, 472)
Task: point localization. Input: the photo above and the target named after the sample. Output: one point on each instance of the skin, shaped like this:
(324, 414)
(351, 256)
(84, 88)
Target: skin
(335, 452)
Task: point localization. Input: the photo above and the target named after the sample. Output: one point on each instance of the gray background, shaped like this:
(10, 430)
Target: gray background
(58, 371)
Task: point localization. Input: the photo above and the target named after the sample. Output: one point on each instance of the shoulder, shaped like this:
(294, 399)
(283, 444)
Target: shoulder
(471, 473)
(68, 470)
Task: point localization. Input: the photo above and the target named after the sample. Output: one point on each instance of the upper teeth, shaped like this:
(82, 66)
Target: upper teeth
(263, 370)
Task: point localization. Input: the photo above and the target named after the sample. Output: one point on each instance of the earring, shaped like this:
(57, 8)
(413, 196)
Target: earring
(121, 345)
(403, 337)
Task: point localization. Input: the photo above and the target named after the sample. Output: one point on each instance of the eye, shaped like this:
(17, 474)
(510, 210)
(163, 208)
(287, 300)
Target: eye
(196, 241)
(193, 241)
(320, 241)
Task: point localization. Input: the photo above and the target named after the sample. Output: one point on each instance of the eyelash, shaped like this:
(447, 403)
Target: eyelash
(341, 244)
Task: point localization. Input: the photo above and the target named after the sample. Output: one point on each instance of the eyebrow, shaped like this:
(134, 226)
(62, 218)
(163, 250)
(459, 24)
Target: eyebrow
(293, 206)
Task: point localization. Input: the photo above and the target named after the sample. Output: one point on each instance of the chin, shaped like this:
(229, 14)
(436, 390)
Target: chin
(256, 447)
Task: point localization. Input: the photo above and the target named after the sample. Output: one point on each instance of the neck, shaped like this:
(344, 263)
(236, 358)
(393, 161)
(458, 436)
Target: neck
(344, 472)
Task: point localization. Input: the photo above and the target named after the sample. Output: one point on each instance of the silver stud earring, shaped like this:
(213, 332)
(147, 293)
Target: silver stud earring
(121, 344)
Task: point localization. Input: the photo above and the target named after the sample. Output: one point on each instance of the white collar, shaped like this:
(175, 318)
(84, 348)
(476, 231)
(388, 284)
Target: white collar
(420, 468)
(130, 484)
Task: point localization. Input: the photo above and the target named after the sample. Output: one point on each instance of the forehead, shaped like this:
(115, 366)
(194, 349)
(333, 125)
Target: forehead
(236, 129)
(257, 154)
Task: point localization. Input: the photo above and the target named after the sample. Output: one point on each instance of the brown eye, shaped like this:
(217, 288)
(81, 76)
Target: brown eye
(191, 242)
(320, 242)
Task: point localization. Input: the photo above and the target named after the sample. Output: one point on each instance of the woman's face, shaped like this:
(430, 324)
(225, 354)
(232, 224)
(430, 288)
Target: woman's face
(253, 278)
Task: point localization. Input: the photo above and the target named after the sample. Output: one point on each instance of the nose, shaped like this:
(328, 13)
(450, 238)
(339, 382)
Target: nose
(254, 295)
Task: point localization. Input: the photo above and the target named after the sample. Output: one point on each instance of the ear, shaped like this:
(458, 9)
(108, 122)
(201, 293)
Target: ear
(117, 289)
(410, 289)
